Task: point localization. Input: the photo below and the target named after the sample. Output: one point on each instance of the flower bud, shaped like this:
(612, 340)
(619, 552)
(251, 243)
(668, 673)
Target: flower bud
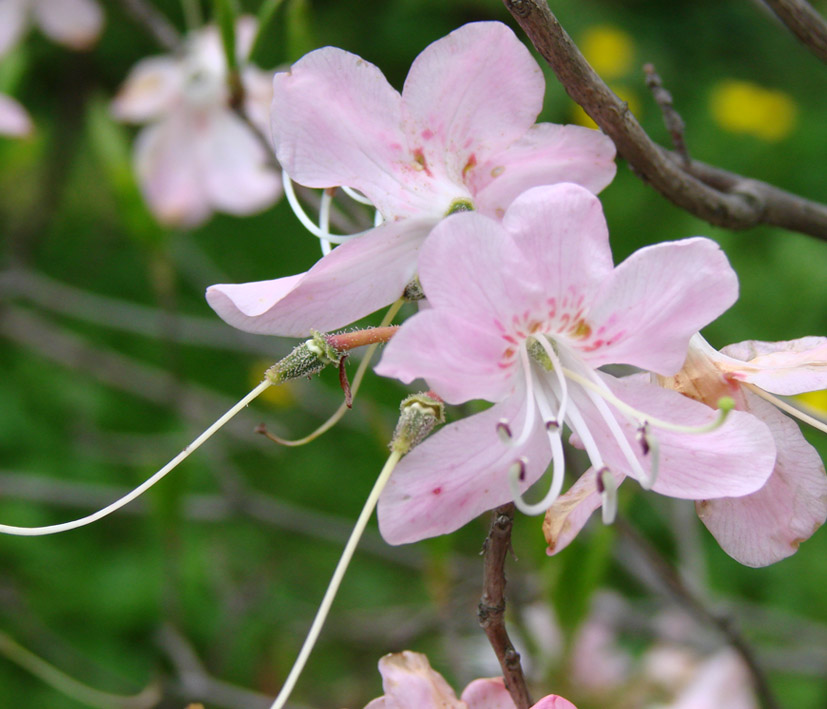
(419, 414)
(309, 358)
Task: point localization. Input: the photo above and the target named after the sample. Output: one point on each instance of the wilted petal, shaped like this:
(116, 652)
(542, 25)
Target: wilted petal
(352, 281)
(458, 473)
(787, 368)
(12, 23)
(656, 300)
(74, 23)
(547, 154)
(14, 120)
(471, 94)
(768, 525)
(410, 683)
(152, 87)
(236, 174)
(169, 170)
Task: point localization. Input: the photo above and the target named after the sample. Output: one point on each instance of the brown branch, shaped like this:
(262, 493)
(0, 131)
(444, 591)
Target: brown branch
(738, 203)
(676, 587)
(671, 118)
(491, 612)
(804, 22)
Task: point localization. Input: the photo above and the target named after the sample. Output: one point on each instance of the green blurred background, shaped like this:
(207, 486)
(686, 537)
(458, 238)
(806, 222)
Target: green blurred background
(111, 361)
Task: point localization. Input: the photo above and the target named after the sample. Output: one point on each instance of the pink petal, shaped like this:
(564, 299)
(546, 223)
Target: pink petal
(733, 460)
(74, 23)
(786, 368)
(655, 301)
(258, 96)
(353, 280)
(547, 154)
(152, 88)
(489, 693)
(458, 473)
(410, 683)
(471, 94)
(169, 170)
(14, 120)
(12, 23)
(552, 701)
(235, 171)
(721, 681)
(564, 242)
(459, 360)
(768, 525)
(337, 121)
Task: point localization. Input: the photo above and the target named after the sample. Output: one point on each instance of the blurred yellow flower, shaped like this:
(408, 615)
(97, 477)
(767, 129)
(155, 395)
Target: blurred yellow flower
(581, 118)
(744, 107)
(281, 396)
(816, 401)
(609, 50)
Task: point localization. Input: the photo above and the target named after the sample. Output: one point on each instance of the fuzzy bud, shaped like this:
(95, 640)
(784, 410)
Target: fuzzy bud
(419, 414)
(309, 358)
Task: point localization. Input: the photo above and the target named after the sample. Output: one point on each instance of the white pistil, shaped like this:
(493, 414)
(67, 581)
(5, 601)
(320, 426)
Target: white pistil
(561, 379)
(336, 580)
(787, 408)
(528, 423)
(324, 220)
(306, 221)
(143, 487)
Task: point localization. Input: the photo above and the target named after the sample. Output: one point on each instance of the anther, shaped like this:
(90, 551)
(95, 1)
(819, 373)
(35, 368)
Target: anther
(607, 487)
(518, 469)
(552, 426)
(643, 438)
(504, 431)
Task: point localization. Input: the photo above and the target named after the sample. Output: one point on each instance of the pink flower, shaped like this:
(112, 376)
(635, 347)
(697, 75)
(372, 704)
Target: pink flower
(410, 683)
(523, 314)
(198, 155)
(14, 120)
(73, 23)
(460, 136)
(768, 525)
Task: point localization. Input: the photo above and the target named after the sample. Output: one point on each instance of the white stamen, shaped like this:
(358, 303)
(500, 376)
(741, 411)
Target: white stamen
(306, 221)
(356, 196)
(787, 408)
(561, 379)
(528, 423)
(578, 426)
(607, 486)
(324, 220)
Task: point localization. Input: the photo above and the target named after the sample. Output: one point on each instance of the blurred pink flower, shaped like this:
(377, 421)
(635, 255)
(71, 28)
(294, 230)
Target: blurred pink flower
(460, 136)
(767, 525)
(197, 155)
(410, 683)
(14, 120)
(73, 23)
(523, 314)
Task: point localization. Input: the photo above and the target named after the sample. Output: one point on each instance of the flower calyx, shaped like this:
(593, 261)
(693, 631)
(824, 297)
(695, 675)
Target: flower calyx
(419, 414)
(307, 359)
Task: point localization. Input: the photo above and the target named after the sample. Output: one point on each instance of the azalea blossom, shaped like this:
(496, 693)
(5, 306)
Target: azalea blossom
(767, 525)
(14, 120)
(461, 136)
(197, 155)
(523, 314)
(410, 683)
(73, 23)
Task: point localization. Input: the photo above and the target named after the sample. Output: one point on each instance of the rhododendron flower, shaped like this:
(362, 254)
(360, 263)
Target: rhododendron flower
(73, 23)
(523, 314)
(767, 525)
(460, 136)
(197, 155)
(410, 683)
(14, 120)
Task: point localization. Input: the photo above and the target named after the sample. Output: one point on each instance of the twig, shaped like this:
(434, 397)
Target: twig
(735, 203)
(804, 22)
(158, 26)
(671, 118)
(491, 612)
(676, 587)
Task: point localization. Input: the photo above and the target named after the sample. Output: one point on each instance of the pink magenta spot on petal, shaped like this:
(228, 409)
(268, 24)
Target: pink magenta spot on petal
(500, 212)
(437, 491)
(497, 171)
(427, 134)
(470, 165)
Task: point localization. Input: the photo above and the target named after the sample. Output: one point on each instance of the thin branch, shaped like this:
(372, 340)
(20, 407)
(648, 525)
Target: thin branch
(735, 203)
(491, 612)
(689, 600)
(155, 23)
(671, 118)
(804, 22)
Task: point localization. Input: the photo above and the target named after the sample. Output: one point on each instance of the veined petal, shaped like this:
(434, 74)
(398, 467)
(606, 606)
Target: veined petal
(768, 525)
(563, 239)
(235, 172)
(547, 154)
(459, 360)
(74, 23)
(471, 266)
(152, 88)
(733, 460)
(786, 368)
(14, 119)
(12, 23)
(337, 121)
(471, 94)
(410, 683)
(655, 301)
(458, 473)
(169, 171)
(352, 281)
